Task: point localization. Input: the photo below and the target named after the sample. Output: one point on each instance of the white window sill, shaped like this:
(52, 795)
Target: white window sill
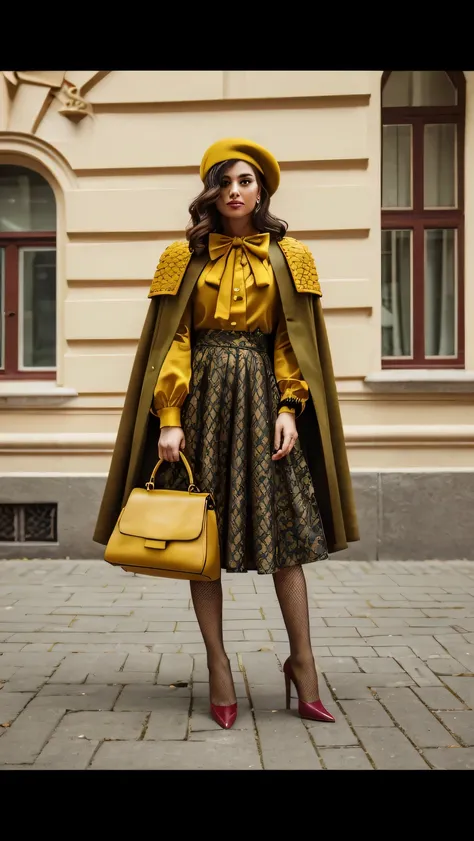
(421, 380)
(16, 393)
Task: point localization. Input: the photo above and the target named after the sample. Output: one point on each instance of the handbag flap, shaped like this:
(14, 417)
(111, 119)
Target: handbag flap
(163, 515)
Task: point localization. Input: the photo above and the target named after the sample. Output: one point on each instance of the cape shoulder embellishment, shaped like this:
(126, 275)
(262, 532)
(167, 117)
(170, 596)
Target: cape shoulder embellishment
(171, 268)
(301, 264)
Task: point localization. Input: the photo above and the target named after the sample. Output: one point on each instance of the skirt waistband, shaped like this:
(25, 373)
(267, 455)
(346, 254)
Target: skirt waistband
(239, 339)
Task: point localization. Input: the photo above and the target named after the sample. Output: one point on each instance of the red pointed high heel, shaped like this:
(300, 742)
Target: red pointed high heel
(224, 716)
(315, 710)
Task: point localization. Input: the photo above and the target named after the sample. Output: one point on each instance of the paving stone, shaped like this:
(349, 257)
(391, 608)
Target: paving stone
(390, 613)
(100, 725)
(366, 714)
(146, 662)
(66, 754)
(7, 671)
(24, 683)
(36, 663)
(415, 719)
(175, 668)
(389, 749)
(170, 722)
(12, 703)
(262, 634)
(285, 743)
(344, 622)
(262, 668)
(394, 624)
(394, 651)
(119, 678)
(94, 623)
(345, 759)
(355, 686)
(270, 696)
(337, 664)
(439, 698)
(81, 697)
(460, 650)
(460, 723)
(355, 651)
(16, 627)
(145, 697)
(379, 665)
(76, 667)
(233, 751)
(463, 687)
(446, 666)
(447, 759)
(426, 647)
(28, 734)
(419, 671)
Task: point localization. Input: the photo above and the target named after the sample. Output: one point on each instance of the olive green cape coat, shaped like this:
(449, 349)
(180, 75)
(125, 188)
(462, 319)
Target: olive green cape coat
(319, 426)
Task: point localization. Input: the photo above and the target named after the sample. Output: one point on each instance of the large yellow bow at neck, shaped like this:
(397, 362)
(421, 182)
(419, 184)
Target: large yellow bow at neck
(224, 251)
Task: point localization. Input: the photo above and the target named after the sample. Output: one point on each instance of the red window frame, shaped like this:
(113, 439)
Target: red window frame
(11, 243)
(418, 219)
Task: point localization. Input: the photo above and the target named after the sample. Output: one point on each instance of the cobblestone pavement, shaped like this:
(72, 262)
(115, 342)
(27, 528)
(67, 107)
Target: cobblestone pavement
(103, 669)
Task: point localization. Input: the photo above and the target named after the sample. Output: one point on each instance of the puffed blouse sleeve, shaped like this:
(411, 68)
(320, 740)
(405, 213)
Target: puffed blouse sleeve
(172, 386)
(293, 387)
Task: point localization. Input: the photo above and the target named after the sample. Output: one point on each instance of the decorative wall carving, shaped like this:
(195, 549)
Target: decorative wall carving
(74, 106)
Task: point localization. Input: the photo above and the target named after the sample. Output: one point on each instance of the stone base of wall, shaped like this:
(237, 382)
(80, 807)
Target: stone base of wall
(402, 516)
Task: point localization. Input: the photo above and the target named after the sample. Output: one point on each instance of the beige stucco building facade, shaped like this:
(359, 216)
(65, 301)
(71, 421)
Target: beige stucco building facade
(121, 152)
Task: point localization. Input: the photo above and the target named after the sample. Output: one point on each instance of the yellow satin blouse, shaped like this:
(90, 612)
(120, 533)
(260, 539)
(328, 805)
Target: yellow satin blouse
(236, 291)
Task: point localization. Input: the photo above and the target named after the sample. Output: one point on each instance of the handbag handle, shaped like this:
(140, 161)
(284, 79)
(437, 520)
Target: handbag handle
(192, 487)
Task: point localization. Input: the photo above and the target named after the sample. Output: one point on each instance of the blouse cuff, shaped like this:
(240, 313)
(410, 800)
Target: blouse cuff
(286, 409)
(291, 403)
(170, 416)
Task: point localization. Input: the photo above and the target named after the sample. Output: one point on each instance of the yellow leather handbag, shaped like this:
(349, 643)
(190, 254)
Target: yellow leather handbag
(172, 534)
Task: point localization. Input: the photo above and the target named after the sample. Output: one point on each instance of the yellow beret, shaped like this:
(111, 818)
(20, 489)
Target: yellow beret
(243, 150)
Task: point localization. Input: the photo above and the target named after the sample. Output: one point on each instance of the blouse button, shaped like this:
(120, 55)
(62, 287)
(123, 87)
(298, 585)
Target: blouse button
(238, 298)
(236, 288)
(233, 323)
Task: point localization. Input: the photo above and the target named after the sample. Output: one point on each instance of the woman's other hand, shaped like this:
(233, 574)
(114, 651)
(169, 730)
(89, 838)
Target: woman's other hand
(285, 435)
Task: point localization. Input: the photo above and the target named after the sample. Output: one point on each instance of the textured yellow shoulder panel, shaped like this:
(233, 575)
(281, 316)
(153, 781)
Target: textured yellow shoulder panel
(170, 270)
(302, 265)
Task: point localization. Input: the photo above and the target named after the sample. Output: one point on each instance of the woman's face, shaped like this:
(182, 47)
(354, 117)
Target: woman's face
(240, 190)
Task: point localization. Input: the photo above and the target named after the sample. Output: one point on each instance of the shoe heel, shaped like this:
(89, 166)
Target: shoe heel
(288, 691)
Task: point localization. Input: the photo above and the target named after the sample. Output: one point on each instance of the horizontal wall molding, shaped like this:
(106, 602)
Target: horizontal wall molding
(444, 435)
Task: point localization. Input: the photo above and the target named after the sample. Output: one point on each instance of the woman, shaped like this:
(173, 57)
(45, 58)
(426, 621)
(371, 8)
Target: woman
(243, 380)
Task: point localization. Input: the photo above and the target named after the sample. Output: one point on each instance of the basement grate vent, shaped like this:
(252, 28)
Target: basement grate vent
(28, 523)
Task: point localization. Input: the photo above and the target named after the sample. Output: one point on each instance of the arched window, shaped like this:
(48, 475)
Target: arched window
(423, 219)
(27, 275)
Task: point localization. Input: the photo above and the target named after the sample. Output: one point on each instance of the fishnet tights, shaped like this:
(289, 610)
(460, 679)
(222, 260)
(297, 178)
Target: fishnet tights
(207, 601)
(290, 586)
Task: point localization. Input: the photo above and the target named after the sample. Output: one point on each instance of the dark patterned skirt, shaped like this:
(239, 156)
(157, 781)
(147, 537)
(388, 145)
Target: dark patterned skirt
(267, 512)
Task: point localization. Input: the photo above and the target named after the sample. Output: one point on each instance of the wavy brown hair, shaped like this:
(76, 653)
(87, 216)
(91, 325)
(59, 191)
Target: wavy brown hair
(206, 219)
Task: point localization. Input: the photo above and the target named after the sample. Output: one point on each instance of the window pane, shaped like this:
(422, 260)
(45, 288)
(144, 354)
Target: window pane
(2, 308)
(396, 166)
(418, 87)
(440, 165)
(396, 293)
(440, 292)
(38, 310)
(27, 201)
